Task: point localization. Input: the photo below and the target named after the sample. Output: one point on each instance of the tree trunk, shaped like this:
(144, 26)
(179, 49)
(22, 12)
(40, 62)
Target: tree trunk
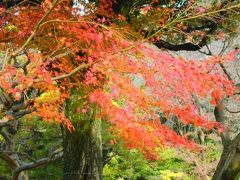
(229, 165)
(82, 147)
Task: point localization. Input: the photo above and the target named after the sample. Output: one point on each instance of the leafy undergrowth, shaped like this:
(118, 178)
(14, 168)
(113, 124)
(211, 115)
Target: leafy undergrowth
(132, 165)
(171, 165)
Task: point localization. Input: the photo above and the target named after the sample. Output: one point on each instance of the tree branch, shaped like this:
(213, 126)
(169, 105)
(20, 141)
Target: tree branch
(19, 153)
(35, 29)
(219, 116)
(225, 71)
(9, 160)
(179, 47)
(7, 137)
(188, 46)
(82, 66)
(5, 100)
(40, 162)
(19, 106)
(18, 115)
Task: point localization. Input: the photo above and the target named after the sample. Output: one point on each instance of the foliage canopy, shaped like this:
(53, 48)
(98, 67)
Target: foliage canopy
(50, 48)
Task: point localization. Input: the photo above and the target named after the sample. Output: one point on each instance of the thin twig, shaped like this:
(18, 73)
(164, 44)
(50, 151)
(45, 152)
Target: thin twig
(225, 71)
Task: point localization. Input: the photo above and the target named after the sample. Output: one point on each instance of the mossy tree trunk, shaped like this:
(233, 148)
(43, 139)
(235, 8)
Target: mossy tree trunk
(82, 147)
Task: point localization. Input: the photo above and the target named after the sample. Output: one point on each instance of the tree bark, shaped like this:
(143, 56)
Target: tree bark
(229, 165)
(82, 147)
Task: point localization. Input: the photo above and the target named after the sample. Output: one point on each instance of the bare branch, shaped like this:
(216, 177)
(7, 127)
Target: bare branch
(225, 71)
(209, 50)
(40, 162)
(223, 48)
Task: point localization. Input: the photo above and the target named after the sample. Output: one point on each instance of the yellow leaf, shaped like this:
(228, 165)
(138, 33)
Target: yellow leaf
(49, 96)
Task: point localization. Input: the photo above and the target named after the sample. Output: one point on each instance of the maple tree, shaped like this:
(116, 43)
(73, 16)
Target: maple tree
(77, 70)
